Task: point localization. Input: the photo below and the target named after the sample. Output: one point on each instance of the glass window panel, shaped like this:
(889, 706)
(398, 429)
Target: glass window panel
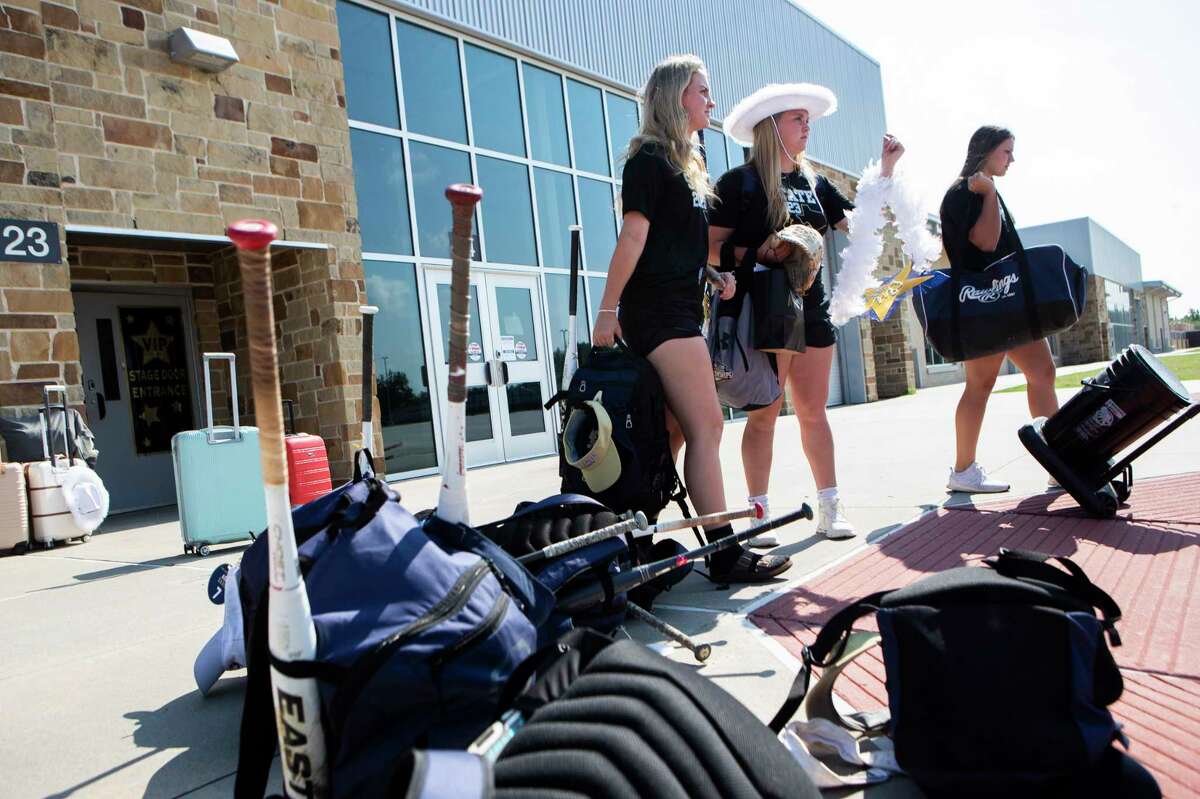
(507, 211)
(587, 128)
(515, 308)
(558, 300)
(474, 337)
(367, 62)
(599, 223)
(400, 375)
(382, 195)
(547, 119)
(556, 214)
(495, 101)
(434, 168)
(714, 150)
(595, 293)
(433, 96)
(479, 415)
(622, 124)
(525, 412)
(737, 153)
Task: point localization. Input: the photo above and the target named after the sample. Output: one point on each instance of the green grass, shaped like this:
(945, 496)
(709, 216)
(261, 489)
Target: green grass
(1185, 367)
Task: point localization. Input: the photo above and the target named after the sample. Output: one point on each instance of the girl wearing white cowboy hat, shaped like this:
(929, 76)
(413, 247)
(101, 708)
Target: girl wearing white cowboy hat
(654, 274)
(775, 188)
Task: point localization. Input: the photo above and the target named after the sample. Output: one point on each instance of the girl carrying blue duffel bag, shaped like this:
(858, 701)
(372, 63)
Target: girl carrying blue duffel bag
(998, 300)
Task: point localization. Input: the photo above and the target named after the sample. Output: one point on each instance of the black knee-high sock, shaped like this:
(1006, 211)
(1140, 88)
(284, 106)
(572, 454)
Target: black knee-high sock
(723, 560)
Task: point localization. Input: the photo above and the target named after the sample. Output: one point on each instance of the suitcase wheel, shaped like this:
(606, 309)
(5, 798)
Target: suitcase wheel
(205, 550)
(83, 539)
(21, 548)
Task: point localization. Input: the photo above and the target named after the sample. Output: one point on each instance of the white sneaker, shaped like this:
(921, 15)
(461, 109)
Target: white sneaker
(974, 480)
(832, 523)
(762, 540)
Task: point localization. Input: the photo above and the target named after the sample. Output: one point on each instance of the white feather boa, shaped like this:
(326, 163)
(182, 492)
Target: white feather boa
(867, 221)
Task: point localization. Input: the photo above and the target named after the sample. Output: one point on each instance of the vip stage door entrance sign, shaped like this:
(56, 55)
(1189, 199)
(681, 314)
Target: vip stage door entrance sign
(160, 392)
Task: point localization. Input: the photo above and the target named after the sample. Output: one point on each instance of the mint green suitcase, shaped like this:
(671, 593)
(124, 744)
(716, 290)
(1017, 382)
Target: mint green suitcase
(218, 475)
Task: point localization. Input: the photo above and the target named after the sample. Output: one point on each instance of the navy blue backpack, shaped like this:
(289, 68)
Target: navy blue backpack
(419, 625)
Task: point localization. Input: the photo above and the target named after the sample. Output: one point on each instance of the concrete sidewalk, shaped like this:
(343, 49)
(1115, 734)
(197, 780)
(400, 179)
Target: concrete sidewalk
(96, 689)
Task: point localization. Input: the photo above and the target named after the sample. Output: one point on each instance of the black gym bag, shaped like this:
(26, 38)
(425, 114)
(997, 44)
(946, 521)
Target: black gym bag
(1020, 298)
(999, 680)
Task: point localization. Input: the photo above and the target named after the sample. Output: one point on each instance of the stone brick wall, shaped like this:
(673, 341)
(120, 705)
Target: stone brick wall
(99, 127)
(1087, 340)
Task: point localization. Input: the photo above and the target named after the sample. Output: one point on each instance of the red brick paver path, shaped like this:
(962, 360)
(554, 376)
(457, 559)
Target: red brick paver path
(1148, 558)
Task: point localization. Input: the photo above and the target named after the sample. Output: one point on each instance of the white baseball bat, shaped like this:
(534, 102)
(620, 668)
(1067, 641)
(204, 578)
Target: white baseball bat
(291, 635)
(755, 511)
(365, 465)
(452, 499)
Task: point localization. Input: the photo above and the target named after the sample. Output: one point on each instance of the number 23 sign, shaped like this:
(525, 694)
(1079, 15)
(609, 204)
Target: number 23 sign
(23, 240)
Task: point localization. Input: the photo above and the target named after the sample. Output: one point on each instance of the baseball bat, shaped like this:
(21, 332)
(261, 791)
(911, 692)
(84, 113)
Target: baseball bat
(589, 595)
(366, 465)
(571, 362)
(638, 522)
(699, 651)
(755, 511)
(452, 499)
(291, 635)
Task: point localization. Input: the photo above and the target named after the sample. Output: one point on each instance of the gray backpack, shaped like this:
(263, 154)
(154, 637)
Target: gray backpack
(745, 377)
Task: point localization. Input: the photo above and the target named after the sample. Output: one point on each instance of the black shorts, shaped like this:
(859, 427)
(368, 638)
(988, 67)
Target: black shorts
(644, 331)
(818, 328)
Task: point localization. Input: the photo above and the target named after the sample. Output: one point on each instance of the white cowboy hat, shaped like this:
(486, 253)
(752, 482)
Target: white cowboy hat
(85, 496)
(775, 98)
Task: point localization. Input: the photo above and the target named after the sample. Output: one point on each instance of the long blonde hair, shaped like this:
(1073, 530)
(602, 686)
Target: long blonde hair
(665, 123)
(766, 154)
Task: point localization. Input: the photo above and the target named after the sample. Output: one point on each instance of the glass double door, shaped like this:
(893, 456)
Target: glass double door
(503, 422)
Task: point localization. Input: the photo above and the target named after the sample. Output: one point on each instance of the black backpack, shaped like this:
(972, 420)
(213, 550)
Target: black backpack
(632, 394)
(999, 679)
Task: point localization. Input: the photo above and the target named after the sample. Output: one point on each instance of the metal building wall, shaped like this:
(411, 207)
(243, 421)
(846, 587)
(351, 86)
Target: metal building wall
(745, 43)
(1091, 246)
(1120, 262)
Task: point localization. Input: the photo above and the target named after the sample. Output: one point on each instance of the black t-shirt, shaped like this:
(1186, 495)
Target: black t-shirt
(667, 276)
(960, 210)
(746, 213)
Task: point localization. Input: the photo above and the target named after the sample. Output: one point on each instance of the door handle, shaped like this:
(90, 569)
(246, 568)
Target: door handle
(101, 408)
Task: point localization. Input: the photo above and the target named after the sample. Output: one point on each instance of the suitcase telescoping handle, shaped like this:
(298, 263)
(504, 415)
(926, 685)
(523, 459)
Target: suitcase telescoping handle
(290, 407)
(47, 406)
(222, 434)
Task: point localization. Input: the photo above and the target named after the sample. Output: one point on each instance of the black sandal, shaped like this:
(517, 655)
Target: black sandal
(751, 567)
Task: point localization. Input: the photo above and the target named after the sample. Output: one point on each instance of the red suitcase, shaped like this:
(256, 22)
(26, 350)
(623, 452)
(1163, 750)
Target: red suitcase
(307, 463)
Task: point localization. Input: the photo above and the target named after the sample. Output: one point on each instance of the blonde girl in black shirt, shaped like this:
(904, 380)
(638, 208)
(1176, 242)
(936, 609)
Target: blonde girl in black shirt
(652, 298)
(976, 233)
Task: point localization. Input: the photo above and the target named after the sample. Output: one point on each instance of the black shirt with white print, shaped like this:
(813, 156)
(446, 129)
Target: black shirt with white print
(746, 212)
(666, 279)
(961, 209)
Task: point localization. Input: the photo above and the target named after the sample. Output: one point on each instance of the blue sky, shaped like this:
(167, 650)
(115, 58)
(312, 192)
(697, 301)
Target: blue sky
(1102, 96)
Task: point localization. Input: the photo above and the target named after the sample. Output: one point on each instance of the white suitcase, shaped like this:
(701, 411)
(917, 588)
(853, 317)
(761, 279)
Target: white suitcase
(14, 509)
(50, 519)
